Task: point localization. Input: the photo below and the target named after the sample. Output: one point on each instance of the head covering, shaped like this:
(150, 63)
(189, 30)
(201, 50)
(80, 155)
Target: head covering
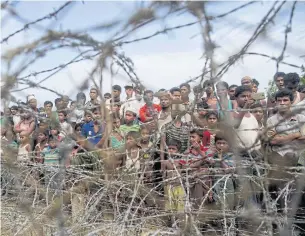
(117, 87)
(246, 78)
(31, 97)
(128, 86)
(131, 109)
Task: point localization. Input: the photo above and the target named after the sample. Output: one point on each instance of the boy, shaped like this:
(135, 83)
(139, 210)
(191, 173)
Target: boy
(66, 128)
(223, 165)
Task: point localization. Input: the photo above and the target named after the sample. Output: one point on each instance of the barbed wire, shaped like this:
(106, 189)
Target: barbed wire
(133, 200)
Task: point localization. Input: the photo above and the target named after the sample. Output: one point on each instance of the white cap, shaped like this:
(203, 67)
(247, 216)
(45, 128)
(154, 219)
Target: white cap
(131, 109)
(30, 97)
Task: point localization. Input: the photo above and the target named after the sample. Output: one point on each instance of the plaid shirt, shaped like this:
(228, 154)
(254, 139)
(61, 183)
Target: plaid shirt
(180, 134)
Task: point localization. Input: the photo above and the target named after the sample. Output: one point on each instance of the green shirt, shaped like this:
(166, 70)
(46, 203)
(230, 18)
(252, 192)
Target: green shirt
(126, 128)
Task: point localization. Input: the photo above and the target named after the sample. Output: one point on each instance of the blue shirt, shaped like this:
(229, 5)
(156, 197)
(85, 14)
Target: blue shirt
(88, 132)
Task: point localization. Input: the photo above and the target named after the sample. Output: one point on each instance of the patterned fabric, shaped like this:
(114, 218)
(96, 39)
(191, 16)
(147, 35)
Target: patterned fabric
(174, 196)
(87, 160)
(51, 156)
(126, 128)
(180, 134)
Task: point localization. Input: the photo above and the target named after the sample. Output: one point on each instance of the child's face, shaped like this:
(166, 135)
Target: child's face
(88, 118)
(97, 115)
(52, 144)
(41, 137)
(116, 123)
(43, 126)
(212, 120)
(61, 117)
(129, 117)
(144, 135)
(54, 131)
(195, 139)
(258, 113)
(130, 141)
(23, 139)
(172, 150)
(222, 145)
(202, 112)
(14, 112)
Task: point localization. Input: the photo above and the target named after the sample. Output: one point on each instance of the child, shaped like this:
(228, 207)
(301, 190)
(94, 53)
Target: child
(116, 138)
(258, 112)
(223, 166)
(174, 191)
(55, 131)
(199, 163)
(42, 142)
(24, 148)
(132, 151)
(66, 128)
(209, 134)
(51, 158)
(145, 141)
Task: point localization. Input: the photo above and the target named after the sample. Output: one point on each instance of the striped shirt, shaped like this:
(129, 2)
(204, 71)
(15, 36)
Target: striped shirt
(180, 134)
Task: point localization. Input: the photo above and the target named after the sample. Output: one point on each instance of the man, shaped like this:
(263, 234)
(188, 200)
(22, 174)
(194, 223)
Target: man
(175, 93)
(185, 90)
(65, 101)
(232, 89)
(93, 130)
(278, 79)
(285, 126)
(292, 82)
(58, 104)
(247, 81)
(150, 110)
(76, 116)
(116, 95)
(225, 103)
(129, 120)
(15, 115)
(255, 85)
(135, 102)
(286, 139)
(32, 103)
(245, 123)
(94, 102)
(164, 116)
(129, 91)
(209, 96)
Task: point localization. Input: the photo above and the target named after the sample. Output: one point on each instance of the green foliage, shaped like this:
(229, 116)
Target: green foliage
(271, 87)
(303, 79)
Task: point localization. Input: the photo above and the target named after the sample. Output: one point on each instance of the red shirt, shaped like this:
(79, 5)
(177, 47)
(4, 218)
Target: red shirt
(145, 111)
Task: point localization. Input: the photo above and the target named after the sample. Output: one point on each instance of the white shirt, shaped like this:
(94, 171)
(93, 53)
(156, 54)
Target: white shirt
(247, 134)
(132, 102)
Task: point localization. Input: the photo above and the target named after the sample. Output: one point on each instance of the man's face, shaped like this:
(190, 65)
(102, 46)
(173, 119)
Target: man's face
(222, 91)
(246, 82)
(150, 96)
(232, 93)
(65, 101)
(93, 94)
(48, 107)
(222, 145)
(129, 117)
(33, 103)
(61, 117)
(176, 95)
(116, 93)
(129, 91)
(283, 103)
(279, 81)
(254, 88)
(292, 86)
(172, 150)
(13, 112)
(184, 91)
(258, 113)
(59, 104)
(165, 102)
(243, 98)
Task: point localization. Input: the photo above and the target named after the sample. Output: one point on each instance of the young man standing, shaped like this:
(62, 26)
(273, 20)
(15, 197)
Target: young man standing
(292, 82)
(94, 102)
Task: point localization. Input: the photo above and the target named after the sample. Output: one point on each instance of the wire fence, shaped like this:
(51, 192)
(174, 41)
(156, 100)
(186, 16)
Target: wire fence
(94, 193)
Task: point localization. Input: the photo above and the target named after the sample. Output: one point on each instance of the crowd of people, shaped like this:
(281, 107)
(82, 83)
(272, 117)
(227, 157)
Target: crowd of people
(164, 135)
